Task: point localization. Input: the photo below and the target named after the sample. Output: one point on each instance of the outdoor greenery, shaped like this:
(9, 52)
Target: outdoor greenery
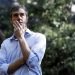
(54, 19)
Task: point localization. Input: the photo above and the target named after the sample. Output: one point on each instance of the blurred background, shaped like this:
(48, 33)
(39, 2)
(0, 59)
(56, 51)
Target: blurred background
(56, 20)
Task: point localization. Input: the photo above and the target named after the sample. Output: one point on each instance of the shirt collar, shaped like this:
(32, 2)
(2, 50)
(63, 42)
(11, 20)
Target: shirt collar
(27, 34)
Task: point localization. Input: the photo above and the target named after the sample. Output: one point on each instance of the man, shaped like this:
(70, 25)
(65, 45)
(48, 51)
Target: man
(22, 53)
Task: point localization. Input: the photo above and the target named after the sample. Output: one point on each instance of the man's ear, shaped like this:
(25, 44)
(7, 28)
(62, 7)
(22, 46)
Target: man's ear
(11, 23)
(27, 18)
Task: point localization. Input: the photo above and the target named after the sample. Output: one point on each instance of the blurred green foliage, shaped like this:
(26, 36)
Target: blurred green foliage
(52, 18)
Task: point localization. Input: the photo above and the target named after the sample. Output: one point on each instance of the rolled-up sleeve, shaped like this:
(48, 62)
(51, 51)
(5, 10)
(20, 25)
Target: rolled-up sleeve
(3, 61)
(37, 52)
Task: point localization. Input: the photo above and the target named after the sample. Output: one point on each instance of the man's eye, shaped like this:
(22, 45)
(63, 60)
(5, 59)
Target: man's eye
(15, 15)
(21, 14)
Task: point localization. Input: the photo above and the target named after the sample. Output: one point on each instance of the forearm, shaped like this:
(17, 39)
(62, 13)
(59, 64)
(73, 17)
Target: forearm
(24, 48)
(15, 66)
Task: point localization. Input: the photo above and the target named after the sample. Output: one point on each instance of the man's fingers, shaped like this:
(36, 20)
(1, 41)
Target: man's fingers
(18, 26)
(15, 29)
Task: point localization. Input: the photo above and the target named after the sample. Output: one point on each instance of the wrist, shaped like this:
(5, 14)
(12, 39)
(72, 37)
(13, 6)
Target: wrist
(21, 38)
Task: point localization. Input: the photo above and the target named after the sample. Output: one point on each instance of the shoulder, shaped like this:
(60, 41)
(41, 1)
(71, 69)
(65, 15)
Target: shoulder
(6, 41)
(36, 34)
(39, 36)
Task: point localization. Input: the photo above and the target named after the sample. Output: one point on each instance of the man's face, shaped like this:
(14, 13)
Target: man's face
(19, 16)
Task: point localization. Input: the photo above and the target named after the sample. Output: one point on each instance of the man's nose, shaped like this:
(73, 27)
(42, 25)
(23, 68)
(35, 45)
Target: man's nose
(19, 18)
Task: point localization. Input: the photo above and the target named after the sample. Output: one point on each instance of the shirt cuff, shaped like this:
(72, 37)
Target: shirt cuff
(32, 60)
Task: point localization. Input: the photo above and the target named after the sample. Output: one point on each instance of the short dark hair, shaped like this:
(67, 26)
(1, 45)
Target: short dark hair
(17, 7)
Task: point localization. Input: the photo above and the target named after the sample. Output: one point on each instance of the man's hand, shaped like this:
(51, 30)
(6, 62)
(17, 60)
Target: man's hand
(19, 29)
